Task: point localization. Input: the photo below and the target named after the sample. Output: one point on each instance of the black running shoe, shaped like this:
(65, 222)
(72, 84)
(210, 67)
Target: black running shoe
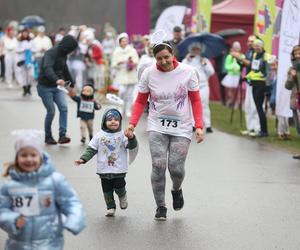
(177, 199)
(161, 213)
(209, 130)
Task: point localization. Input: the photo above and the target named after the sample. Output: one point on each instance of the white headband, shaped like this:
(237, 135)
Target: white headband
(163, 44)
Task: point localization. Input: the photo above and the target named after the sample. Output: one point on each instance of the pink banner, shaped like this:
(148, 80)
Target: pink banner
(276, 29)
(137, 17)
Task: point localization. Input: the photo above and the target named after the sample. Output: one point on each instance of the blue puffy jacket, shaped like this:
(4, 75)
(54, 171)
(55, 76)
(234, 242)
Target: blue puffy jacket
(48, 203)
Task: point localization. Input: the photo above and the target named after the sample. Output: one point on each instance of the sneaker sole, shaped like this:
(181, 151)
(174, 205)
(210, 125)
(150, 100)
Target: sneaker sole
(64, 142)
(177, 209)
(110, 215)
(160, 219)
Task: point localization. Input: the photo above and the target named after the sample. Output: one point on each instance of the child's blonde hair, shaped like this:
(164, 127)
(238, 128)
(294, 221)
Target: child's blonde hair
(11, 165)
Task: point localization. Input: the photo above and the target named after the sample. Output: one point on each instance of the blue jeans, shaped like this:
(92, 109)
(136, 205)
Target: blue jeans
(49, 97)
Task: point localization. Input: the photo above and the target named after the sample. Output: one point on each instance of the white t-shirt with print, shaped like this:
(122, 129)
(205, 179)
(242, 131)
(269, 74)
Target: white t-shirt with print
(112, 152)
(170, 110)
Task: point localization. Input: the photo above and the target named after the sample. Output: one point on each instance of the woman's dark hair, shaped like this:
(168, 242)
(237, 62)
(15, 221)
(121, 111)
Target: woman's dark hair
(22, 37)
(161, 46)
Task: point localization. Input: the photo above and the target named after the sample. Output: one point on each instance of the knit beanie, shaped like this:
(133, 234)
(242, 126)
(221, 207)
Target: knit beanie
(29, 138)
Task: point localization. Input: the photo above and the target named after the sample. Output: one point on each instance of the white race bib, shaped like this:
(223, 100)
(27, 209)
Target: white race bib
(169, 123)
(25, 201)
(87, 107)
(255, 64)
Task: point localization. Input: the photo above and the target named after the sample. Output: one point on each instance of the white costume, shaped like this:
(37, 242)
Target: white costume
(125, 78)
(205, 71)
(24, 73)
(41, 44)
(9, 51)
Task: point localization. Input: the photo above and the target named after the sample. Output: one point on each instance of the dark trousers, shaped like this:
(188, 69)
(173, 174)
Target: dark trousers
(109, 186)
(2, 67)
(258, 90)
(296, 121)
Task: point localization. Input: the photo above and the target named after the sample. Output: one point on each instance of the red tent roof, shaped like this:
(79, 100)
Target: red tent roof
(232, 7)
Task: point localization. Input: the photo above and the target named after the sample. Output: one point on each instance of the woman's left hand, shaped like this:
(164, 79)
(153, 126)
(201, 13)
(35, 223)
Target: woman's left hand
(199, 135)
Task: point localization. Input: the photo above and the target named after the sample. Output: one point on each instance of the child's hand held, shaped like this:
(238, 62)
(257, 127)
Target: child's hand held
(79, 162)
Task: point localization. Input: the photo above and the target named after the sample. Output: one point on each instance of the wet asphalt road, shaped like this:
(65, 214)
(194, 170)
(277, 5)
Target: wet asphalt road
(238, 193)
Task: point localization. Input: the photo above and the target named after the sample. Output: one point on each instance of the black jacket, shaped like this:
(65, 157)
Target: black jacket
(53, 65)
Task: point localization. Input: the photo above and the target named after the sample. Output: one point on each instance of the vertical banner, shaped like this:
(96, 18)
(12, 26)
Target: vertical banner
(276, 27)
(204, 8)
(264, 20)
(137, 17)
(289, 37)
(194, 17)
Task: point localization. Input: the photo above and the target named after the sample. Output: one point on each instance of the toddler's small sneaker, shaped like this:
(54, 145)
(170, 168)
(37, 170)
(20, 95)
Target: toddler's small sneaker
(161, 214)
(123, 202)
(178, 201)
(82, 140)
(296, 157)
(110, 212)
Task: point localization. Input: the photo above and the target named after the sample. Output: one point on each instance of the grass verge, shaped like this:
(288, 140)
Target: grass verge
(221, 120)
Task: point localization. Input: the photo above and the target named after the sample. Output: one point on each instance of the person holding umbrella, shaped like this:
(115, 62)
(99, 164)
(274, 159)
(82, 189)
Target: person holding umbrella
(205, 70)
(175, 104)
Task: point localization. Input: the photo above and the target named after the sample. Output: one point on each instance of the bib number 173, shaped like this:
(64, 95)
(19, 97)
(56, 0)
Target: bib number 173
(168, 123)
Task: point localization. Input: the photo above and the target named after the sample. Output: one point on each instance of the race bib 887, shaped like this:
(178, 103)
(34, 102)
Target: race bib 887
(25, 201)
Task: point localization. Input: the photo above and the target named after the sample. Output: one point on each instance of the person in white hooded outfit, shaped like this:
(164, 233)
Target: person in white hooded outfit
(41, 43)
(25, 62)
(10, 43)
(124, 61)
(205, 70)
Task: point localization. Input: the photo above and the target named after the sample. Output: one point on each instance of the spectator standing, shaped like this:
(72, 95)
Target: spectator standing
(293, 84)
(53, 73)
(205, 70)
(177, 38)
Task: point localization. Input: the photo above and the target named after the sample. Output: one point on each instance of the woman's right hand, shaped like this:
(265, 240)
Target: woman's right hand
(20, 222)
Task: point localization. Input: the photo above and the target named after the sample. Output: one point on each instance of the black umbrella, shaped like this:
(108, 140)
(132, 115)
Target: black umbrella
(231, 32)
(212, 45)
(32, 21)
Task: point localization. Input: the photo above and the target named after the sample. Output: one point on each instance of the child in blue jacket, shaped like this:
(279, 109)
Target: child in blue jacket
(37, 203)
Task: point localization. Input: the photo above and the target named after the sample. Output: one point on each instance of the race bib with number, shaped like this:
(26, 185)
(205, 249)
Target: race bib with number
(255, 64)
(86, 107)
(169, 123)
(25, 201)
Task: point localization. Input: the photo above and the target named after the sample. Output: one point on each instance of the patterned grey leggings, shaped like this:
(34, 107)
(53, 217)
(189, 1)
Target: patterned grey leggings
(167, 151)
